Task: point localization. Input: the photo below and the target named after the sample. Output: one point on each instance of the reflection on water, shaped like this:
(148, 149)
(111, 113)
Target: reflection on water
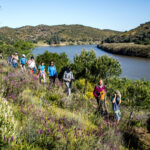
(132, 67)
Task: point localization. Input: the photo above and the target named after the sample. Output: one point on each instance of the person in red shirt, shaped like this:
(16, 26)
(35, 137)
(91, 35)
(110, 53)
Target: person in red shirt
(100, 95)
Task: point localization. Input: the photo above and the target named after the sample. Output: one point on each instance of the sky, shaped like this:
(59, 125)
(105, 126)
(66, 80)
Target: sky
(120, 15)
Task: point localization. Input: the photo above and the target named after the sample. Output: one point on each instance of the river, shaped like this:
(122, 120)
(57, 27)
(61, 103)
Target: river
(132, 67)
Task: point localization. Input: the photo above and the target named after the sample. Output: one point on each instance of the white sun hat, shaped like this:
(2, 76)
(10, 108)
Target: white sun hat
(23, 55)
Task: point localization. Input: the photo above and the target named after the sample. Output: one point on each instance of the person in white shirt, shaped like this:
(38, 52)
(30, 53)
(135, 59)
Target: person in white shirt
(68, 78)
(32, 65)
(15, 59)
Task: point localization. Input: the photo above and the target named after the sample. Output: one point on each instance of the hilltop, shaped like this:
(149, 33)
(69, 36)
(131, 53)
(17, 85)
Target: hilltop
(139, 35)
(135, 42)
(55, 34)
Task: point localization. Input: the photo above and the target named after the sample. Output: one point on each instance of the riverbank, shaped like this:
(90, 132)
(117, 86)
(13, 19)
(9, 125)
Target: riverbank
(128, 49)
(42, 44)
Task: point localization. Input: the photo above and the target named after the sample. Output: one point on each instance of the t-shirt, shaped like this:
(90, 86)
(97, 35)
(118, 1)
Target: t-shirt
(68, 76)
(31, 64)
(98, 89)
(116, 105)
(15, 59)
(51, 70)
(23, 61)
(41, 68)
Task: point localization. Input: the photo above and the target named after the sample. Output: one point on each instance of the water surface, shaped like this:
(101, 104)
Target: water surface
(132, 67)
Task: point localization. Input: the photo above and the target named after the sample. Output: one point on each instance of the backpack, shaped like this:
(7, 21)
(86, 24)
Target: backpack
(101, 94)
(65, 75)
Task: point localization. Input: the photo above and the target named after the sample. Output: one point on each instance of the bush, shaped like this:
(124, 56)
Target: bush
(60, 61)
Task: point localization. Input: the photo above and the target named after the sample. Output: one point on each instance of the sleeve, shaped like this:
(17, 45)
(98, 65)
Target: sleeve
(94, 92)
(64, 76)
(118, 99)
(104, 88)
(55, 71)
(39, 67)
(112, 98)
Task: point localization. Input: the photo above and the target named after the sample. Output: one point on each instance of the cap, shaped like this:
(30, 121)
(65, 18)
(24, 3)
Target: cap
(23, 55)
(117, 92)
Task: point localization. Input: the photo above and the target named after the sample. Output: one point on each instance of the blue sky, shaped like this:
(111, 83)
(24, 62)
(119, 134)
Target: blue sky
(104, 14)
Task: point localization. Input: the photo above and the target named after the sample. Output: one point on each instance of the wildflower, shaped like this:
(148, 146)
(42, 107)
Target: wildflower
(4, 137)
(12, 96)
(41, 131)
(88, 134)
(11, 138)
(7, 140)
(6, 78)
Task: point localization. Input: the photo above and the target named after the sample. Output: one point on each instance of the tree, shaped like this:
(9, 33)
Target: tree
(105, 67)
(138, 95)
(60, 60)
(54, 40)
(83, 64)
(23, 47)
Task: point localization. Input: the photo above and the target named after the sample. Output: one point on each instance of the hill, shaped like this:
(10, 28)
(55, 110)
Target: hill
(129, 49)
(55, 34)
(139, 35)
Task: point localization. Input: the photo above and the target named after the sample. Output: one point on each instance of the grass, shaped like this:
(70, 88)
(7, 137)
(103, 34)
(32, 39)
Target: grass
(34, 119)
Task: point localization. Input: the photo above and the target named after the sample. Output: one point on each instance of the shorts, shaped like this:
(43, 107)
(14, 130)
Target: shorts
(33, 70)
(22, 65)
(15, 65)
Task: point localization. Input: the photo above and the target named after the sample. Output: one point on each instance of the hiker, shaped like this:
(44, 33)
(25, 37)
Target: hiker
(52, 72)
(9, 60)
(23, 61)
(32, 65)
(68, 78)
(116, 100)
(42, 73)
(100, 95)
(15, 59)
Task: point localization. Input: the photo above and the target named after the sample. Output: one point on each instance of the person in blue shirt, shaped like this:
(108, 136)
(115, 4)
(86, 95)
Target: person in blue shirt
(116, 101)
(9, 60)
(42, 73)
(52, 72)
(23, 61)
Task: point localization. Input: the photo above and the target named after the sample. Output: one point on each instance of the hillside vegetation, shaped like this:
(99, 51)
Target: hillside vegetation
(55, 34)
(139, 35)
(135, 42)
(129, 49)
(34, 116)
